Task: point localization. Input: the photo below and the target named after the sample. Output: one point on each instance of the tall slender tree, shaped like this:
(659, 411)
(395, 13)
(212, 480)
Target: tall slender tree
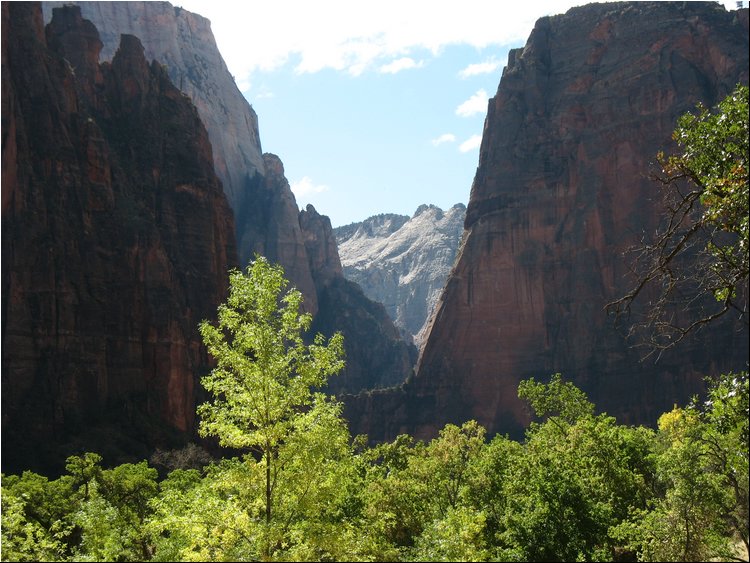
(263, 382)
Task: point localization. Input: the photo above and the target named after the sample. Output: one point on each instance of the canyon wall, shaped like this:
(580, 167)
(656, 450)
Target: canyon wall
(267, 217)
(561, 192)
(116, 240)
(118, 232)
(376, 354)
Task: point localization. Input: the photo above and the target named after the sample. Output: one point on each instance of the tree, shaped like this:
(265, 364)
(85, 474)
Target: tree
(36, 517)
(576, 478)
(557, 400)
(701, 461)
(265, 374)
(703, 248)
(112, 516)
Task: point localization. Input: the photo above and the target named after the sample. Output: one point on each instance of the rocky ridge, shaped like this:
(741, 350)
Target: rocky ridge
(403, 262)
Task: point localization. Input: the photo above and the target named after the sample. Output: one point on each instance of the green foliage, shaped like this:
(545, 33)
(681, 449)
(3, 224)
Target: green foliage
(216, 517)
(264, 372)
(702, 248)
(577, 477)
(263, 400)
(113, 513)
(715, 156)
(35, 518)
(458, 536)
(91, 514)
(556, 399)
(702, 466)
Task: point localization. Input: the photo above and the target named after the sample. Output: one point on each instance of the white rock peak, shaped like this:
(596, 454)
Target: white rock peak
(403, 262)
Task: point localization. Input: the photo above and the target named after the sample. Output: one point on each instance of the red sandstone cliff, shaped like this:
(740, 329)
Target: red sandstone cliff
(116, 240)
(560, 193)
(267, 218)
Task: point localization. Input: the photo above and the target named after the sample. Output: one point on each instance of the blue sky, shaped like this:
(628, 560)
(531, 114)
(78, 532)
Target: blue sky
(374, 107)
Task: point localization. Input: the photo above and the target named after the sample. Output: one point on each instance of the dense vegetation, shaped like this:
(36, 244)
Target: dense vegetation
(578, 487)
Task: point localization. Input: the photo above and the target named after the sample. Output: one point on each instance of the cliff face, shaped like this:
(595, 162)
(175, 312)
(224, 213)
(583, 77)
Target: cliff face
(403, 262)
(273, 229)
(116, 240)
(376, 355)
(183, 42)
(267, 218)
(264, 207)
(561, 191)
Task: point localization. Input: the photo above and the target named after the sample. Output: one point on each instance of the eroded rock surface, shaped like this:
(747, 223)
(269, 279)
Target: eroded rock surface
(116, 240)
(403, 262)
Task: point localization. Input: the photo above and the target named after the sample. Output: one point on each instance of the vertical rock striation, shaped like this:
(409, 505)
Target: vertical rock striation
(266, 214)
(561, 192)
(116, 240)
(264, 207)
(183, 42)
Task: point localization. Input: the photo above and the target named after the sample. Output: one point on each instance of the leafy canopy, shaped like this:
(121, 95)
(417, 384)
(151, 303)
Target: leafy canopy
(265, 372)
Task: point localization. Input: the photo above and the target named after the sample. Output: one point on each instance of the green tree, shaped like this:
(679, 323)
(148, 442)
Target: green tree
(559, 401)
(701, 513)
(703, 247)
(37, 517)
(263, 382)
(113, 511)
(577, 477)
(210, 517)
(91, 514)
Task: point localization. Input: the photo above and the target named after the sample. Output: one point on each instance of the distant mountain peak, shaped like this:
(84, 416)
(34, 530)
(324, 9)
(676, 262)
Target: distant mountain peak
(403, 262)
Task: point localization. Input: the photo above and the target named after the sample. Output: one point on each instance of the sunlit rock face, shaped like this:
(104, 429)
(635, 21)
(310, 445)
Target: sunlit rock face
(403, 262)
(560, 193)
(116, 241)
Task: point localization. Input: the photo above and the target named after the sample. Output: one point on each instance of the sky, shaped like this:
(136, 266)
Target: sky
(373, 106)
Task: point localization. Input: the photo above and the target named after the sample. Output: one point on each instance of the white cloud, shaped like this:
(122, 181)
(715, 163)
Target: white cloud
(444, 138)
(475, 69)
(404, 63)
(355, 36)
(471, 143)
(264, 93)
(476, 104)
(305, 188)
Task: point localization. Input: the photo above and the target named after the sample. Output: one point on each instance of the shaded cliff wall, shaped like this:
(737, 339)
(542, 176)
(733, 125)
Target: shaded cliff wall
(264, 206)
(116, 240)
(376, 354)
(266, 213)
(561, 191)
(184, 43)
